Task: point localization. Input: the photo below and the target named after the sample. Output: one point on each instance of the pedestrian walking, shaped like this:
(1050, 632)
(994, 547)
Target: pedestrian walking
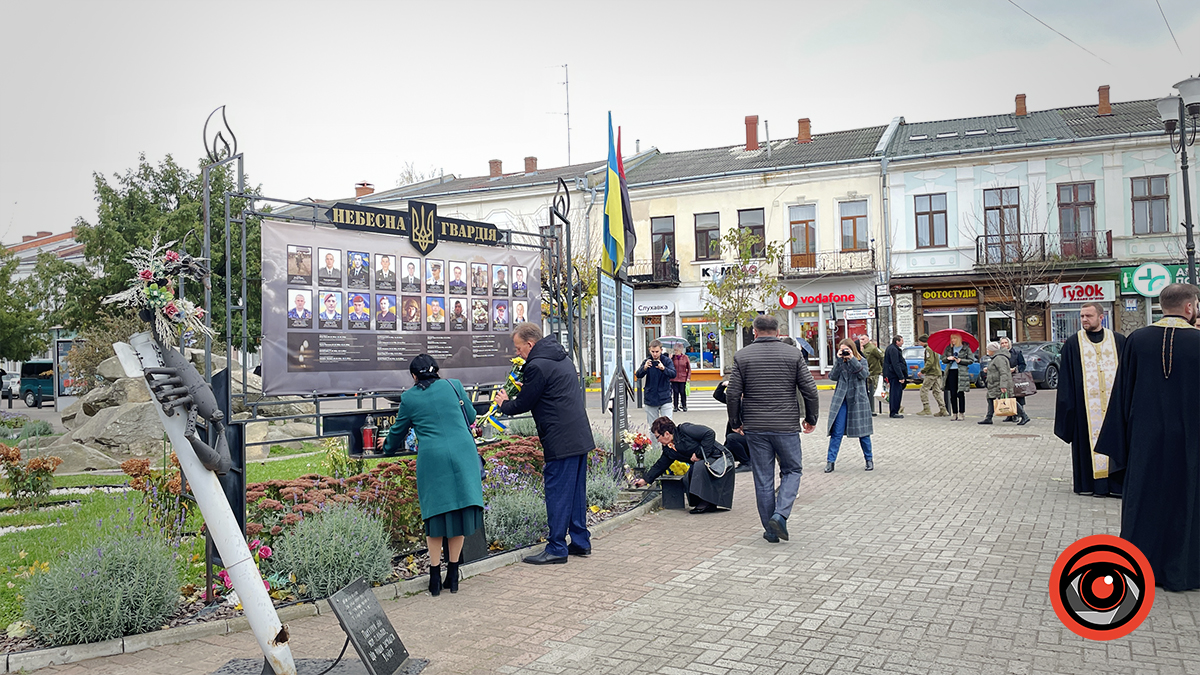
(1017, 359)
(850, 410)
(956, 380)
(1089, 362)
(679, 383)
(1000, 382)
(449, 488)
(550, 389)
(762, 404)
(874, 369)
(895, 370)
(656, 392)
(931, 382)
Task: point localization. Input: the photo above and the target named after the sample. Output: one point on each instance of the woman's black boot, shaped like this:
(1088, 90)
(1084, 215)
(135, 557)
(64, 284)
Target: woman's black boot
(435, 580)
(452, 574)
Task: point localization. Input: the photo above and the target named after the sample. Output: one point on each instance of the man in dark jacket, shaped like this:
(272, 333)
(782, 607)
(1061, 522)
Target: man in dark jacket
(762, 404)
(658, 371)
(895, 370)
(551, 390)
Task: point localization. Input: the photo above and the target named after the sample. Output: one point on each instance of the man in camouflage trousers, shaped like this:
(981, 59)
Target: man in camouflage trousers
(874, 369)
(932, 383)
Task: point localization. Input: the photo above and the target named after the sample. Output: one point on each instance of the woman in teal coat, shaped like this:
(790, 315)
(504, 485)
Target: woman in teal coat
(449, 486)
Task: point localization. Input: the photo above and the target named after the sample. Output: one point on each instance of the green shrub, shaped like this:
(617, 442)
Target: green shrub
(602, 486)
(522, 426)
(36, 428)
(515, 518)
(332, 548)
(124, 584)
(28, 481)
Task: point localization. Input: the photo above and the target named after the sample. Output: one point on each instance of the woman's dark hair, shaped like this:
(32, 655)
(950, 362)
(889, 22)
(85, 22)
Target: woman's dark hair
(663, 425)
(425, 369)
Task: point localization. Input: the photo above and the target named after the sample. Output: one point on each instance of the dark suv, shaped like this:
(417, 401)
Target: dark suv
(37, 376)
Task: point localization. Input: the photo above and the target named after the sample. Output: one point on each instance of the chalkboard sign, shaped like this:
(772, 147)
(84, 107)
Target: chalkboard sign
(370, 632)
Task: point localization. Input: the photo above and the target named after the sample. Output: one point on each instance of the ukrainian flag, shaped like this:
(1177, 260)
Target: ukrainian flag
(617, 219)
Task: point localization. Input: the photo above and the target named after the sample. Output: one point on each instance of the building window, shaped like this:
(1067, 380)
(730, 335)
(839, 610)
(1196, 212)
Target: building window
(1076, 209)
(1002, 211)
(855, 236)
(1150, 205)
(931, 220)
(803, 222)
(708, 236)
(662, 239)
(752, 221)
(704, 342)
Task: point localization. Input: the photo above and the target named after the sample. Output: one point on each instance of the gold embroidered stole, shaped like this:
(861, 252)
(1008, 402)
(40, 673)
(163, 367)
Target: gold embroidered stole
(1099, 367)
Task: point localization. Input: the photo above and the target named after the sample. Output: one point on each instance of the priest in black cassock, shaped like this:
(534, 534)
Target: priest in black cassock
(1152, 437)
(1087, 370)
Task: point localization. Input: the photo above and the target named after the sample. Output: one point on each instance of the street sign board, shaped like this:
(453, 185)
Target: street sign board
(885, 301)
(1175, 274)
(881, 290)
(1149, 279)
(859, 314)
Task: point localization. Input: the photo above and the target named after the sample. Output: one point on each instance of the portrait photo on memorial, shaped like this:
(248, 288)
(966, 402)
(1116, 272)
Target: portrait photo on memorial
(330, 316)
(359, 273)
(299, 264)
(435, 276)
(500, 317)
(358, 317)
(385, 312)
(410, 275)
(479, 278)
(479, 315)
(518, 312)
(300, 312)
(520, 286)
(500, 280)
(458, 277)
(459, 321)
(330, 272)
(410, 313)
(385, 272)
(435, 313)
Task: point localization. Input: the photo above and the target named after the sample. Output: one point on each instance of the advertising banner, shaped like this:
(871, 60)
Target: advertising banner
(346, 308)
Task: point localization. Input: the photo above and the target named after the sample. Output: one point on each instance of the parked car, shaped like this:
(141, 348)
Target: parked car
(37, 376)
(1043, 361)
(9, 383)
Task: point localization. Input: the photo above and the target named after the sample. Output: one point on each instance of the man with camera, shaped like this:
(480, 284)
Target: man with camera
(658, 371)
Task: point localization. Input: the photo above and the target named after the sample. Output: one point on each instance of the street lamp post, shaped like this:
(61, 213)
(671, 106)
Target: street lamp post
(1174, 111)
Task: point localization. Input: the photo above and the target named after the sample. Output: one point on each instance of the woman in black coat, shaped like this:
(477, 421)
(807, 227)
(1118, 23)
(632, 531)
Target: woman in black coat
(692, 444)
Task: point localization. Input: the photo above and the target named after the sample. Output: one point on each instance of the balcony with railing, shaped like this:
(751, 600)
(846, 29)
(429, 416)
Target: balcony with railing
(827, 262)
(1039, 247)
(652, 273)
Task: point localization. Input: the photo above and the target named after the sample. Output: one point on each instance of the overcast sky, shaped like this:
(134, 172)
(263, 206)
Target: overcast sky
(322, 95)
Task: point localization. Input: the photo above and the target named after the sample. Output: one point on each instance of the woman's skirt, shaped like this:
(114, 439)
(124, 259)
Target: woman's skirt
(701, 484)
(456, 523)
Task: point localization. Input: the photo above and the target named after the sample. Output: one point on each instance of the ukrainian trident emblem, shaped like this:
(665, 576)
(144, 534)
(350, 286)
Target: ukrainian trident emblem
(421, 226)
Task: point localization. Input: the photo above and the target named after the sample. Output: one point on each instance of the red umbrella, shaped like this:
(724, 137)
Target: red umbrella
(941, 339)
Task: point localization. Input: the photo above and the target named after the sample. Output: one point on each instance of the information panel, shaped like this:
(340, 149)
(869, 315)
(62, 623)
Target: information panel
(607, 296)
(346, 310)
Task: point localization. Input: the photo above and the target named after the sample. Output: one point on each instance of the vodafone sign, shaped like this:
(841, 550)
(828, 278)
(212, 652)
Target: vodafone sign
(789, 300)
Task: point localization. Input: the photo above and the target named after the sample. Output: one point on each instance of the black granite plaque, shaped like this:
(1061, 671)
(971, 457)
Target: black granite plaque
(372, 635)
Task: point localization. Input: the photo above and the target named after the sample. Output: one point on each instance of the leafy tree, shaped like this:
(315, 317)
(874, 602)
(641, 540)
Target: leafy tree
(60, 289)
(22, 330)
(747, 285)
(164, 200)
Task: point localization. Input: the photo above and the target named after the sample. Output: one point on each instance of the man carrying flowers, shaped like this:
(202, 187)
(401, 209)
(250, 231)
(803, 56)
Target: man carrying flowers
(550, 389)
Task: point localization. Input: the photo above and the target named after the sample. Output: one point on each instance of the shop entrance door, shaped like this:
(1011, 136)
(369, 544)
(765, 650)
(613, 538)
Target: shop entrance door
(1000, 324)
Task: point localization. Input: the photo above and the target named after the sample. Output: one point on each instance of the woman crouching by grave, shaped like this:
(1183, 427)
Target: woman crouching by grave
(709, 481)
(449, 486)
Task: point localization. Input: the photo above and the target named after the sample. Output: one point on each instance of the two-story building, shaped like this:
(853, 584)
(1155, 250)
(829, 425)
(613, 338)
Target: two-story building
(1004, 225)
(820, 194)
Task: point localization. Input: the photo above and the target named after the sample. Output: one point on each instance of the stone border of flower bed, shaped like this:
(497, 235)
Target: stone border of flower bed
(41, 658)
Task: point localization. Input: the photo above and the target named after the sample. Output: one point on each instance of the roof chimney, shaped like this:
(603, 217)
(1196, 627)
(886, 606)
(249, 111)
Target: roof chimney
(1021, 112)
(751, 132)
(43, 233)
(1105, 108)
(805, 131)
(27, 237)
(494, 170)
(531, 165)
(363, 189)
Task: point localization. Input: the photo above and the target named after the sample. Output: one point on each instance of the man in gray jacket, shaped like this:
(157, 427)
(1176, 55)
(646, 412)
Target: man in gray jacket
(763, 405)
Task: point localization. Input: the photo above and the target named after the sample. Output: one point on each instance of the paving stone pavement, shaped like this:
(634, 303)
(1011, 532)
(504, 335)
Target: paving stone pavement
(936, 562)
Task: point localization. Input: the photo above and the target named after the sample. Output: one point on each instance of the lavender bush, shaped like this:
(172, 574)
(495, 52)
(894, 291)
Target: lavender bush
(514, 514)
(332, 548)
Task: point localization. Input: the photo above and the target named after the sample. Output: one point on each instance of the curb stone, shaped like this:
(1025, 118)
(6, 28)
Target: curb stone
(41, 658)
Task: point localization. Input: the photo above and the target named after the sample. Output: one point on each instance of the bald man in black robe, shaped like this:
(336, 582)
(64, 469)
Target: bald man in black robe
(1150, 434)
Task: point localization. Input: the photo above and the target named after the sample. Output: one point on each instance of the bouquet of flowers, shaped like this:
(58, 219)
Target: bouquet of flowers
(152, 290)
(512, 387)
(678, 468)
(638, 442)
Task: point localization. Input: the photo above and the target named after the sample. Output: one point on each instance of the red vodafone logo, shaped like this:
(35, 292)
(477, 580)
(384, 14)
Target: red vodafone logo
(788, 300)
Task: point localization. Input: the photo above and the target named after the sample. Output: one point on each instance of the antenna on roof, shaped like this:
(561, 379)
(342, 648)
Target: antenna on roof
(567, 89)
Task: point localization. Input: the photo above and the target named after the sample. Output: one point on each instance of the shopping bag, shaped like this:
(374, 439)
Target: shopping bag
(1023, 384)
(1006, 407)
(687, 388)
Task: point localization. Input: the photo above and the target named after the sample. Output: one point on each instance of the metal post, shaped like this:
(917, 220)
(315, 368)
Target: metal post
(1187, 196)
(618, 389)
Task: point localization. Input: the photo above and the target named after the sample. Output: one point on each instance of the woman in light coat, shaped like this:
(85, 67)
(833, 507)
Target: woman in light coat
(1000, 382)
(955, 378)
(850, 411)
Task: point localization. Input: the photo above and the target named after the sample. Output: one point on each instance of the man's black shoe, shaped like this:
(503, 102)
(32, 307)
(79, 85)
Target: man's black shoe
(770, 536)
(544, 558)
(743, 468)
(778, 526)
(573, 549)
(986, 420)
(870, 465)
(896, 416)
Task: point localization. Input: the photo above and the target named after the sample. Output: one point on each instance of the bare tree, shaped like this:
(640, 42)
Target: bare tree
(410, 174)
